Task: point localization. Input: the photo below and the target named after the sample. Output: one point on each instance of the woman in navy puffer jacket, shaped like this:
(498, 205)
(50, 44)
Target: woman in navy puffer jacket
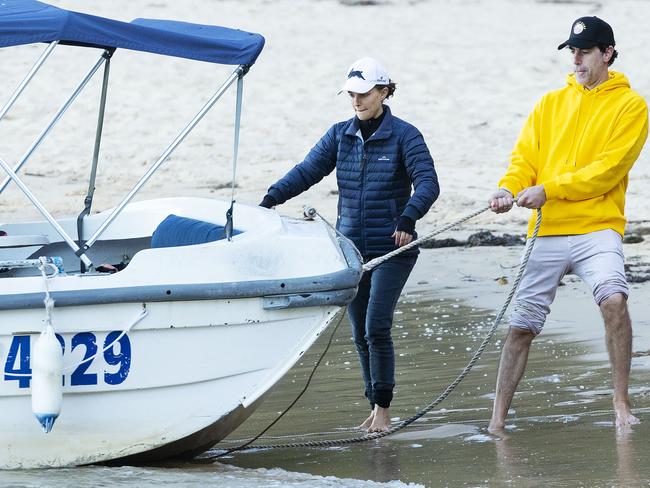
(378, 159)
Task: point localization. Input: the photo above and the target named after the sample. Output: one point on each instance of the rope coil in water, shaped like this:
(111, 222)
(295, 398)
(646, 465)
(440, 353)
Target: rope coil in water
(466, 370)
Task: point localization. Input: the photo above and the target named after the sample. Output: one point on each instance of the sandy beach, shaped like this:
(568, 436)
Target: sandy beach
(468, 72)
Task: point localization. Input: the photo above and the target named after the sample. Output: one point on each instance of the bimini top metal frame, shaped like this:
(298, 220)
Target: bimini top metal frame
(28, 21)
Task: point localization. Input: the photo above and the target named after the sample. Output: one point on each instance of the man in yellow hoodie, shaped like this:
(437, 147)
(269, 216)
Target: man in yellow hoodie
(572, 158)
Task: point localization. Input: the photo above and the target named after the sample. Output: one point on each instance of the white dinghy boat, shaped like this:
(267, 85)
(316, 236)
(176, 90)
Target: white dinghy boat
(211, 305)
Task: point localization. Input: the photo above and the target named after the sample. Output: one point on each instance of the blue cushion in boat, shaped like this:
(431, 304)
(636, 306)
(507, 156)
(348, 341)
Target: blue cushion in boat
(182, 231)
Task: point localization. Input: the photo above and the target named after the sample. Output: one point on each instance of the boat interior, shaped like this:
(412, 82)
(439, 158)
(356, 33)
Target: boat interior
(151, 224)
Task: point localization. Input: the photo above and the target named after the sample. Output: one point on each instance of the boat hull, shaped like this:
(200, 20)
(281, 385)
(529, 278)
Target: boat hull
(196, 443)
(167, 388)
(168, 356)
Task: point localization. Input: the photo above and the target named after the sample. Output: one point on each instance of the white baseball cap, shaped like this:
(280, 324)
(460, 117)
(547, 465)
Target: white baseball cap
(364, 74)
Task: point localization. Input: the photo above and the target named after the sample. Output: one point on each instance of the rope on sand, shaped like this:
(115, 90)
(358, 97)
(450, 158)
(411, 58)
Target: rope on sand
(214, 453)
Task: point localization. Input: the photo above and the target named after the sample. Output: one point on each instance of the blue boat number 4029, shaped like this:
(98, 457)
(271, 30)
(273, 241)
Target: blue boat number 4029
(115, 353)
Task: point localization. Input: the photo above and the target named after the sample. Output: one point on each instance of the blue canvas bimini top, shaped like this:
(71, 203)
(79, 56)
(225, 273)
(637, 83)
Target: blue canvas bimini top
(29, 21)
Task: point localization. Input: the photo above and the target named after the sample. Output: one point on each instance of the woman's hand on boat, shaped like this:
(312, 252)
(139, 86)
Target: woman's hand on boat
(402, 238)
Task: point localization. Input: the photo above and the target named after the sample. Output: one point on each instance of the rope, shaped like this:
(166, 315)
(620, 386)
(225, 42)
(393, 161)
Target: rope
(143, 313)
(49, 306)
(43, 265)
(309, 213)
(373, 263)
(466, 370)
(47, 301)
(311, 375)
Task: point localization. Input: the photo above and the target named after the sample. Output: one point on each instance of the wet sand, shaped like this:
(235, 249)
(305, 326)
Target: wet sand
(559, 433)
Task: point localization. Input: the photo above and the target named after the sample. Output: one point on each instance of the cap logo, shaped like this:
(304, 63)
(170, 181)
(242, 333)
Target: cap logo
(579, 27)
(355, 74)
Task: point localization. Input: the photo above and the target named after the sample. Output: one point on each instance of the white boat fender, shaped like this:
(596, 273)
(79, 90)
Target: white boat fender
(47, 383)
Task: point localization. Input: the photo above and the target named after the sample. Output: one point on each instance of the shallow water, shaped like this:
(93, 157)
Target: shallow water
(560, 432)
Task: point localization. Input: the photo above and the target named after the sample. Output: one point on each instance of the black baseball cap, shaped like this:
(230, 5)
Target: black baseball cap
(588, 32)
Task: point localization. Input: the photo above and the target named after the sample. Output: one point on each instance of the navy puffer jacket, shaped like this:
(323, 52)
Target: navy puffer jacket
(374, 180)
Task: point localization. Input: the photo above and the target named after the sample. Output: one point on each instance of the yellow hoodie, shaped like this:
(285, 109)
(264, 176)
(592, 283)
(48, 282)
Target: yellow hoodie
(580, 144)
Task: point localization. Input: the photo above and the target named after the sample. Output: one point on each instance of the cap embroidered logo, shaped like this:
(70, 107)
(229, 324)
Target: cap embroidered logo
(579, 28)
(355, 73)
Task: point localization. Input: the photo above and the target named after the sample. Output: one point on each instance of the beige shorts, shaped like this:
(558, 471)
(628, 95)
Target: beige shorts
(596, 257)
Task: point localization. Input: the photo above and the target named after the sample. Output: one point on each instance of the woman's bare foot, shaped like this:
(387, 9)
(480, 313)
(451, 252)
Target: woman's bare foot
(380, 421)
(368, 422)
(624, 416)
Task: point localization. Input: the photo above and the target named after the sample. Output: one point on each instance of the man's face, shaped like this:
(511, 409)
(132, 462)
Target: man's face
(590, 65)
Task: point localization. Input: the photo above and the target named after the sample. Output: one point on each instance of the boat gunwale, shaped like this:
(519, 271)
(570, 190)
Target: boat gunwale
(336, 283)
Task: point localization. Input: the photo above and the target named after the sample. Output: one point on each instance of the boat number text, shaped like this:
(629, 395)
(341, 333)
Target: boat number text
(118, 355)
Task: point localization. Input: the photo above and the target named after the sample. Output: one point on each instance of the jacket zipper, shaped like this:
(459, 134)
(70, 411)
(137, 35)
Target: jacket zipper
(364, 159)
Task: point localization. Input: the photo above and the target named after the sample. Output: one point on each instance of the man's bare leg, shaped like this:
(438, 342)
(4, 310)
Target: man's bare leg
(512, 365)
(618, 330)
(380, 420)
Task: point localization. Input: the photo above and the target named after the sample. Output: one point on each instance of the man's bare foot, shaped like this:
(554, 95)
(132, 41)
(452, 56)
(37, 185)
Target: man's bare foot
(380, 421)
(624, 416)
(368, 422)
(496, 426)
